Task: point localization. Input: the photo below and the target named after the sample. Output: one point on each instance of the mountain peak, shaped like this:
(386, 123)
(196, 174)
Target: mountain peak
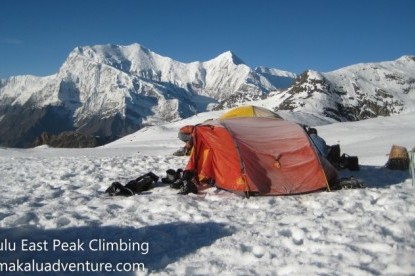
(133, 58)
(230, 56)
(110, 50)
(407, 58)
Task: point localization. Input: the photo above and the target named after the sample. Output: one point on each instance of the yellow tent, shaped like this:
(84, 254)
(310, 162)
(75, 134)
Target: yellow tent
(249, 111)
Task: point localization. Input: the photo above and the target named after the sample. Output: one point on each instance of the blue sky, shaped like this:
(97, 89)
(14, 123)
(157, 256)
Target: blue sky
(36, 36)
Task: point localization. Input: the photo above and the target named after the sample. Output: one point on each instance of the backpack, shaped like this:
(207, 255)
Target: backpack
(349, 162)
(333, 155)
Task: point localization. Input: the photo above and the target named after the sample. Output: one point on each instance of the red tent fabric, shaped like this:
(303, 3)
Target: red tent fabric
(261, 155)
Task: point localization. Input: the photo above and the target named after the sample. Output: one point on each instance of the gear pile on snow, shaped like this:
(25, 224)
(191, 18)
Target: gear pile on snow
(180, 180)
(136, 186)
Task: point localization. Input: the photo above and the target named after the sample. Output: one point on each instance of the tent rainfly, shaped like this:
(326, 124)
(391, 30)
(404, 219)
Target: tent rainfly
(249, 111)
(258, 155)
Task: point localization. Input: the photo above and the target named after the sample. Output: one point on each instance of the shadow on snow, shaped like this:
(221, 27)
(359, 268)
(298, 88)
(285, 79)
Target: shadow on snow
(166, 243)
(377, 176)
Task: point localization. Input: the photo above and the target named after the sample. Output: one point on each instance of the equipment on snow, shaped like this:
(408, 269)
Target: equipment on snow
(412, 164)
(188, 185)
(174, 178)
(349, 162)
(398, 158)
(182, 180)
(136, 186)
(347, 183)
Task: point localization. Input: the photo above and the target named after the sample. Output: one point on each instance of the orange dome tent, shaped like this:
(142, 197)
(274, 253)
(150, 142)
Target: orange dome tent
(258, 155)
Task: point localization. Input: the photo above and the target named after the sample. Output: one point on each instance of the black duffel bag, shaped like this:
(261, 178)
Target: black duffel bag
(349, 162)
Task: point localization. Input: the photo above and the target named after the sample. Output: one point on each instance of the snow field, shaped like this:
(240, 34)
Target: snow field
(50, 194)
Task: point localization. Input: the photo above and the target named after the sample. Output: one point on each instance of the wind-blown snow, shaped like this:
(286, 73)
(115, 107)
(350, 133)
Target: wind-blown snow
(48, 194)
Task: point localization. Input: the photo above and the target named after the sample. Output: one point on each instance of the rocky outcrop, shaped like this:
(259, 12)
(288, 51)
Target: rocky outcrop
(70, 139)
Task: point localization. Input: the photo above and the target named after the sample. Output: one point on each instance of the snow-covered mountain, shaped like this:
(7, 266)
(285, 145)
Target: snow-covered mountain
(111, 90)
(352, 93)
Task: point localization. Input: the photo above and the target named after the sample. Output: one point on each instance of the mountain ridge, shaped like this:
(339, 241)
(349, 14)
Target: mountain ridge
(112, 90)
(356, 92)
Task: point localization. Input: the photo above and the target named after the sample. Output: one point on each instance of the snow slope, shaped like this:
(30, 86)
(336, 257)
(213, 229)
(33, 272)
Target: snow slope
(352, 93)
(57, 195)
